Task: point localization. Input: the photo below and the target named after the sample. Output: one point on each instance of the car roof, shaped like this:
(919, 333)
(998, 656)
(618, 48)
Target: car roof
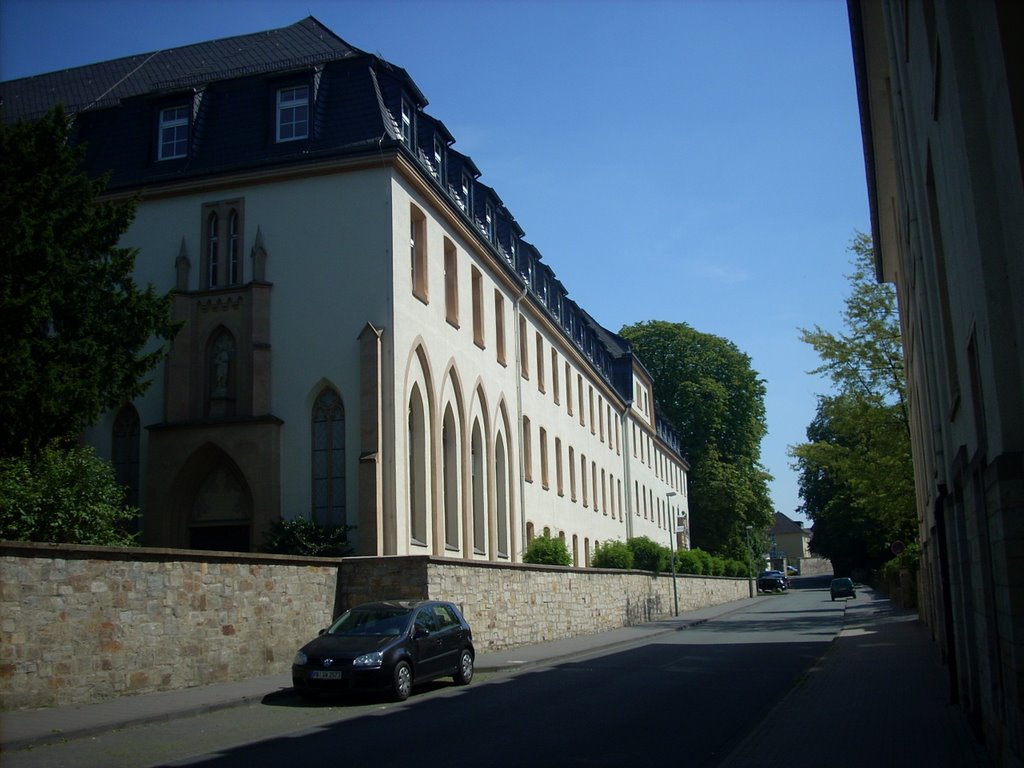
(400, 604)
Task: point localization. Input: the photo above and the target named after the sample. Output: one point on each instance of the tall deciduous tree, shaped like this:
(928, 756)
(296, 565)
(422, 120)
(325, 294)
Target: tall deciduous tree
(856, 469)
(706, 387)
(76, 333)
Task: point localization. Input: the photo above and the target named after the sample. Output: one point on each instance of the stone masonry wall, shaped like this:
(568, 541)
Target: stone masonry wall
(83, 624)
(510, 605)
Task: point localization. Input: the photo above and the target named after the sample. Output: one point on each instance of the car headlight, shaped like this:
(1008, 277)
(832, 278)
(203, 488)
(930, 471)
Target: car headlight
(369, 660)
(300, 659)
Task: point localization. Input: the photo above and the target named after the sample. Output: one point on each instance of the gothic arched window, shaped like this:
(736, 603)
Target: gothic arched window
(328, 431)
(125, 453)
(212, 250)
(234, 247)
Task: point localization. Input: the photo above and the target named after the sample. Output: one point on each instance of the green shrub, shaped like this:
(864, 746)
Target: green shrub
(909, 559)
(736, 568)
(544, 550)
(687, 561)
(306, 538)
(64, 497)
(648, 555)
(613, 554)
(706, 563)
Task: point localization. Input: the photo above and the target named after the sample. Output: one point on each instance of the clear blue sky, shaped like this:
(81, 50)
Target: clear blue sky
(692, 161)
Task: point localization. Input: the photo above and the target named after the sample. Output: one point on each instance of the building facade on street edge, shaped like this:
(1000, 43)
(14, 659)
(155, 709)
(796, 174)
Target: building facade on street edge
(790, 543)
(368, 339)
(941, 90)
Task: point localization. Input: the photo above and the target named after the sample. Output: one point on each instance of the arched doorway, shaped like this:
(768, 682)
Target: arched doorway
(219, 506)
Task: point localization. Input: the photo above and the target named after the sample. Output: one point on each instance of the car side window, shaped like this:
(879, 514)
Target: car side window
(445, 617)
(425, 623)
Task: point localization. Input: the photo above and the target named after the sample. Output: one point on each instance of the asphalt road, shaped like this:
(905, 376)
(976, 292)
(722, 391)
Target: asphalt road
(687, 698)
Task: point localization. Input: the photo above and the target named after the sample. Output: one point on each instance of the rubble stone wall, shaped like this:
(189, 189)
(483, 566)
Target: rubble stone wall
(81, 624)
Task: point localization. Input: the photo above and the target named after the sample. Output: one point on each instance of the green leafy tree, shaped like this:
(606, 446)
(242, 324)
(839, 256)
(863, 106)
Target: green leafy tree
(75, 330)
(867, 359)
(64, 497)
(856, 469)
(545, 550)
(706, 387)
(612, 554)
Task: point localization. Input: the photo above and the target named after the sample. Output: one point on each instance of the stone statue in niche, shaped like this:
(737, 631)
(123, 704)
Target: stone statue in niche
(223, 353)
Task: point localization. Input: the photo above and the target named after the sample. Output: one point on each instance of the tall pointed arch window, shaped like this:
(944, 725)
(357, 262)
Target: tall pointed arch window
(479, 491)
(234, 249)
(212, 250)
(502, 494)
(417, 463)
(125, 458)
(223, 230)
(328, 448)
(450, 471)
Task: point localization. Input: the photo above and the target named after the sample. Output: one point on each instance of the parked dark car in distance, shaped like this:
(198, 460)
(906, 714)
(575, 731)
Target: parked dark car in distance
(842, 587)
(390, 645)
(772, 581)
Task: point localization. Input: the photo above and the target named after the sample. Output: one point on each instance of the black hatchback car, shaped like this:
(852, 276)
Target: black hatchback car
(772, 581)
(390, 645)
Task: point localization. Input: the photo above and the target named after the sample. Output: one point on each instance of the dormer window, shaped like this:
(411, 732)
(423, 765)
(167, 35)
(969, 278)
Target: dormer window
(467, 193)
(489, 221)
(293, 113)
(173, 136)
(439, 159)
(407, 119)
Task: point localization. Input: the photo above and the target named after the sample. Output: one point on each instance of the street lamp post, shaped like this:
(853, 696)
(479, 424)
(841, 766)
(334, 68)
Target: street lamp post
(672, 528)
(750, 564)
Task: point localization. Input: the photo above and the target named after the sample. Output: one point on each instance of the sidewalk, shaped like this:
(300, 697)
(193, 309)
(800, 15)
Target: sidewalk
(879, 697)
(25, 728)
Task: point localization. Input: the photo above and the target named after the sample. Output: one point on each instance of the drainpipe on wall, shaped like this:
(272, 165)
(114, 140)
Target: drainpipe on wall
(519, 419)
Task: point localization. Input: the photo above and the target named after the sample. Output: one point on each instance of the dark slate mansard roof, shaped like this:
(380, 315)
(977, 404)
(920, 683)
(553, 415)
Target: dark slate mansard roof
(355, 108)
(107, 83)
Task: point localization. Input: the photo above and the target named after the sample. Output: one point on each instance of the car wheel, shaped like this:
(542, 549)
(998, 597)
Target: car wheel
(401, 681)
(464, 674)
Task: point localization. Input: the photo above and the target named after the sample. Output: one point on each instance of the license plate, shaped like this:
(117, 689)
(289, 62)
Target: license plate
(318, 674)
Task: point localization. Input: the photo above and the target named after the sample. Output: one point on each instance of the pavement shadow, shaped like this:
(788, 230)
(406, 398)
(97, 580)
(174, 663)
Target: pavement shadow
(602, 711)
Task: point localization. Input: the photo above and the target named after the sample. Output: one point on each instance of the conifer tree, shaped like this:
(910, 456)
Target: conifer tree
(77, 335)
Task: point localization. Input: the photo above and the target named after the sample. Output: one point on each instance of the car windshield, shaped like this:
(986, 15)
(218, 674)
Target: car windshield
(376, 621)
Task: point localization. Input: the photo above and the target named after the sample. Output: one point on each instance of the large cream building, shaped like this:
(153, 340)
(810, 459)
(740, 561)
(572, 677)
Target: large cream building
(941, 87)
(367, 339)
